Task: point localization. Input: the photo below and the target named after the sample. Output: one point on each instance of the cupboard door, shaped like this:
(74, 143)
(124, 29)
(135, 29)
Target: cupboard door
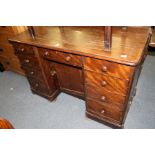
(69, 78)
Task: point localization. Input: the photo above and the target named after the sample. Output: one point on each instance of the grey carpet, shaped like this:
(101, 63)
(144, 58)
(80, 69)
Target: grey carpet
(26, 110)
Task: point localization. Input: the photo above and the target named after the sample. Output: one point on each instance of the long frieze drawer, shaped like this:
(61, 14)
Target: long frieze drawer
(107, 67)
(21, 49)
(62, 57)
(104, 110)
(34, 73)
(106, 82)
(28, 62)
(102, 95)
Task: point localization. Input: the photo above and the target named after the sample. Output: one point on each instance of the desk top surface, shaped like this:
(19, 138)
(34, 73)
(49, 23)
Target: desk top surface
(127, 45)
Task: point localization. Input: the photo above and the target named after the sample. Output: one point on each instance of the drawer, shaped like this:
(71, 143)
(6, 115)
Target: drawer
(62, 57)
(34, 73)
(102, 95)
(107, 67)
(104, 110)
(106, 82)
(28, 62)
(38, 86)
(21, 49)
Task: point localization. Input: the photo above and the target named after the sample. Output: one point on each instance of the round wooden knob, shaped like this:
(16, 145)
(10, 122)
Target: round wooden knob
(22, 49)
(68, 58)
(32, 73)
(46, 53)
(27, 60)
(103, 98)
(104, 68)
(102, 111)
(36, 85)
(53, 72)
(103, 83)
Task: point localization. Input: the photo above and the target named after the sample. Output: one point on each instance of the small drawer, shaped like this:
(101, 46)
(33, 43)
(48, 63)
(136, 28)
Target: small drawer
(38, 86)
(21, 49)
(34, 73)
(62, 57)
(102, 95)
(104, 110)
(109, 68)
(28, 62)
(106, 82)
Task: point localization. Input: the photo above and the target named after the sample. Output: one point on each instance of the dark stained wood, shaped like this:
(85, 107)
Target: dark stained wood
(106, 67)
(107, 38)
(41, 82)
(126, 46)
(62, 57)
(106, 82)
(104, 110)
(152, 41)
(73, 60)
(21, 49)
(5, 124)
(31, 31)
(28, 61)
(104, 96)
(70, 78)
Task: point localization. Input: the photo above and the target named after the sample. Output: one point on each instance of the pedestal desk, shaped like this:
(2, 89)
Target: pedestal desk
(73, 60)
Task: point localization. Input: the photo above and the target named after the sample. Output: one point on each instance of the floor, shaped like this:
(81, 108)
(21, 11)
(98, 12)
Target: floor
(26, 110)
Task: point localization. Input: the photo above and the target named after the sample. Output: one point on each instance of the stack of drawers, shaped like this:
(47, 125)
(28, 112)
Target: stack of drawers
(33, 70)
(107, 87)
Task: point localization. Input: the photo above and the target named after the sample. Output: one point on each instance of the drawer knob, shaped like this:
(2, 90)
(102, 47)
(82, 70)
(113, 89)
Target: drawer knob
(104, 68)
(102, 111)
(53, 72)
(32, 73)
(27, 60)
(104, 83)
(103, 98)
(46, 53)
(68, 58)
(22, 50)
(36, 85)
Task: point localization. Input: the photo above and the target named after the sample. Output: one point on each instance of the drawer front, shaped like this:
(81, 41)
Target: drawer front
(62, 57)
(102, 95)
(110, 68)
(28, 62)
(34, 73)
(106, 82)
(21, 49)
(104, 110)
(38, 86)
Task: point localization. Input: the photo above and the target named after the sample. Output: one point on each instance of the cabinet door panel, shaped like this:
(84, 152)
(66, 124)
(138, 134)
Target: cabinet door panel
(69, 77)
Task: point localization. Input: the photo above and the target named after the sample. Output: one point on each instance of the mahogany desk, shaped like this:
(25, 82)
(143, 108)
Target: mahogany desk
(73, 60)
